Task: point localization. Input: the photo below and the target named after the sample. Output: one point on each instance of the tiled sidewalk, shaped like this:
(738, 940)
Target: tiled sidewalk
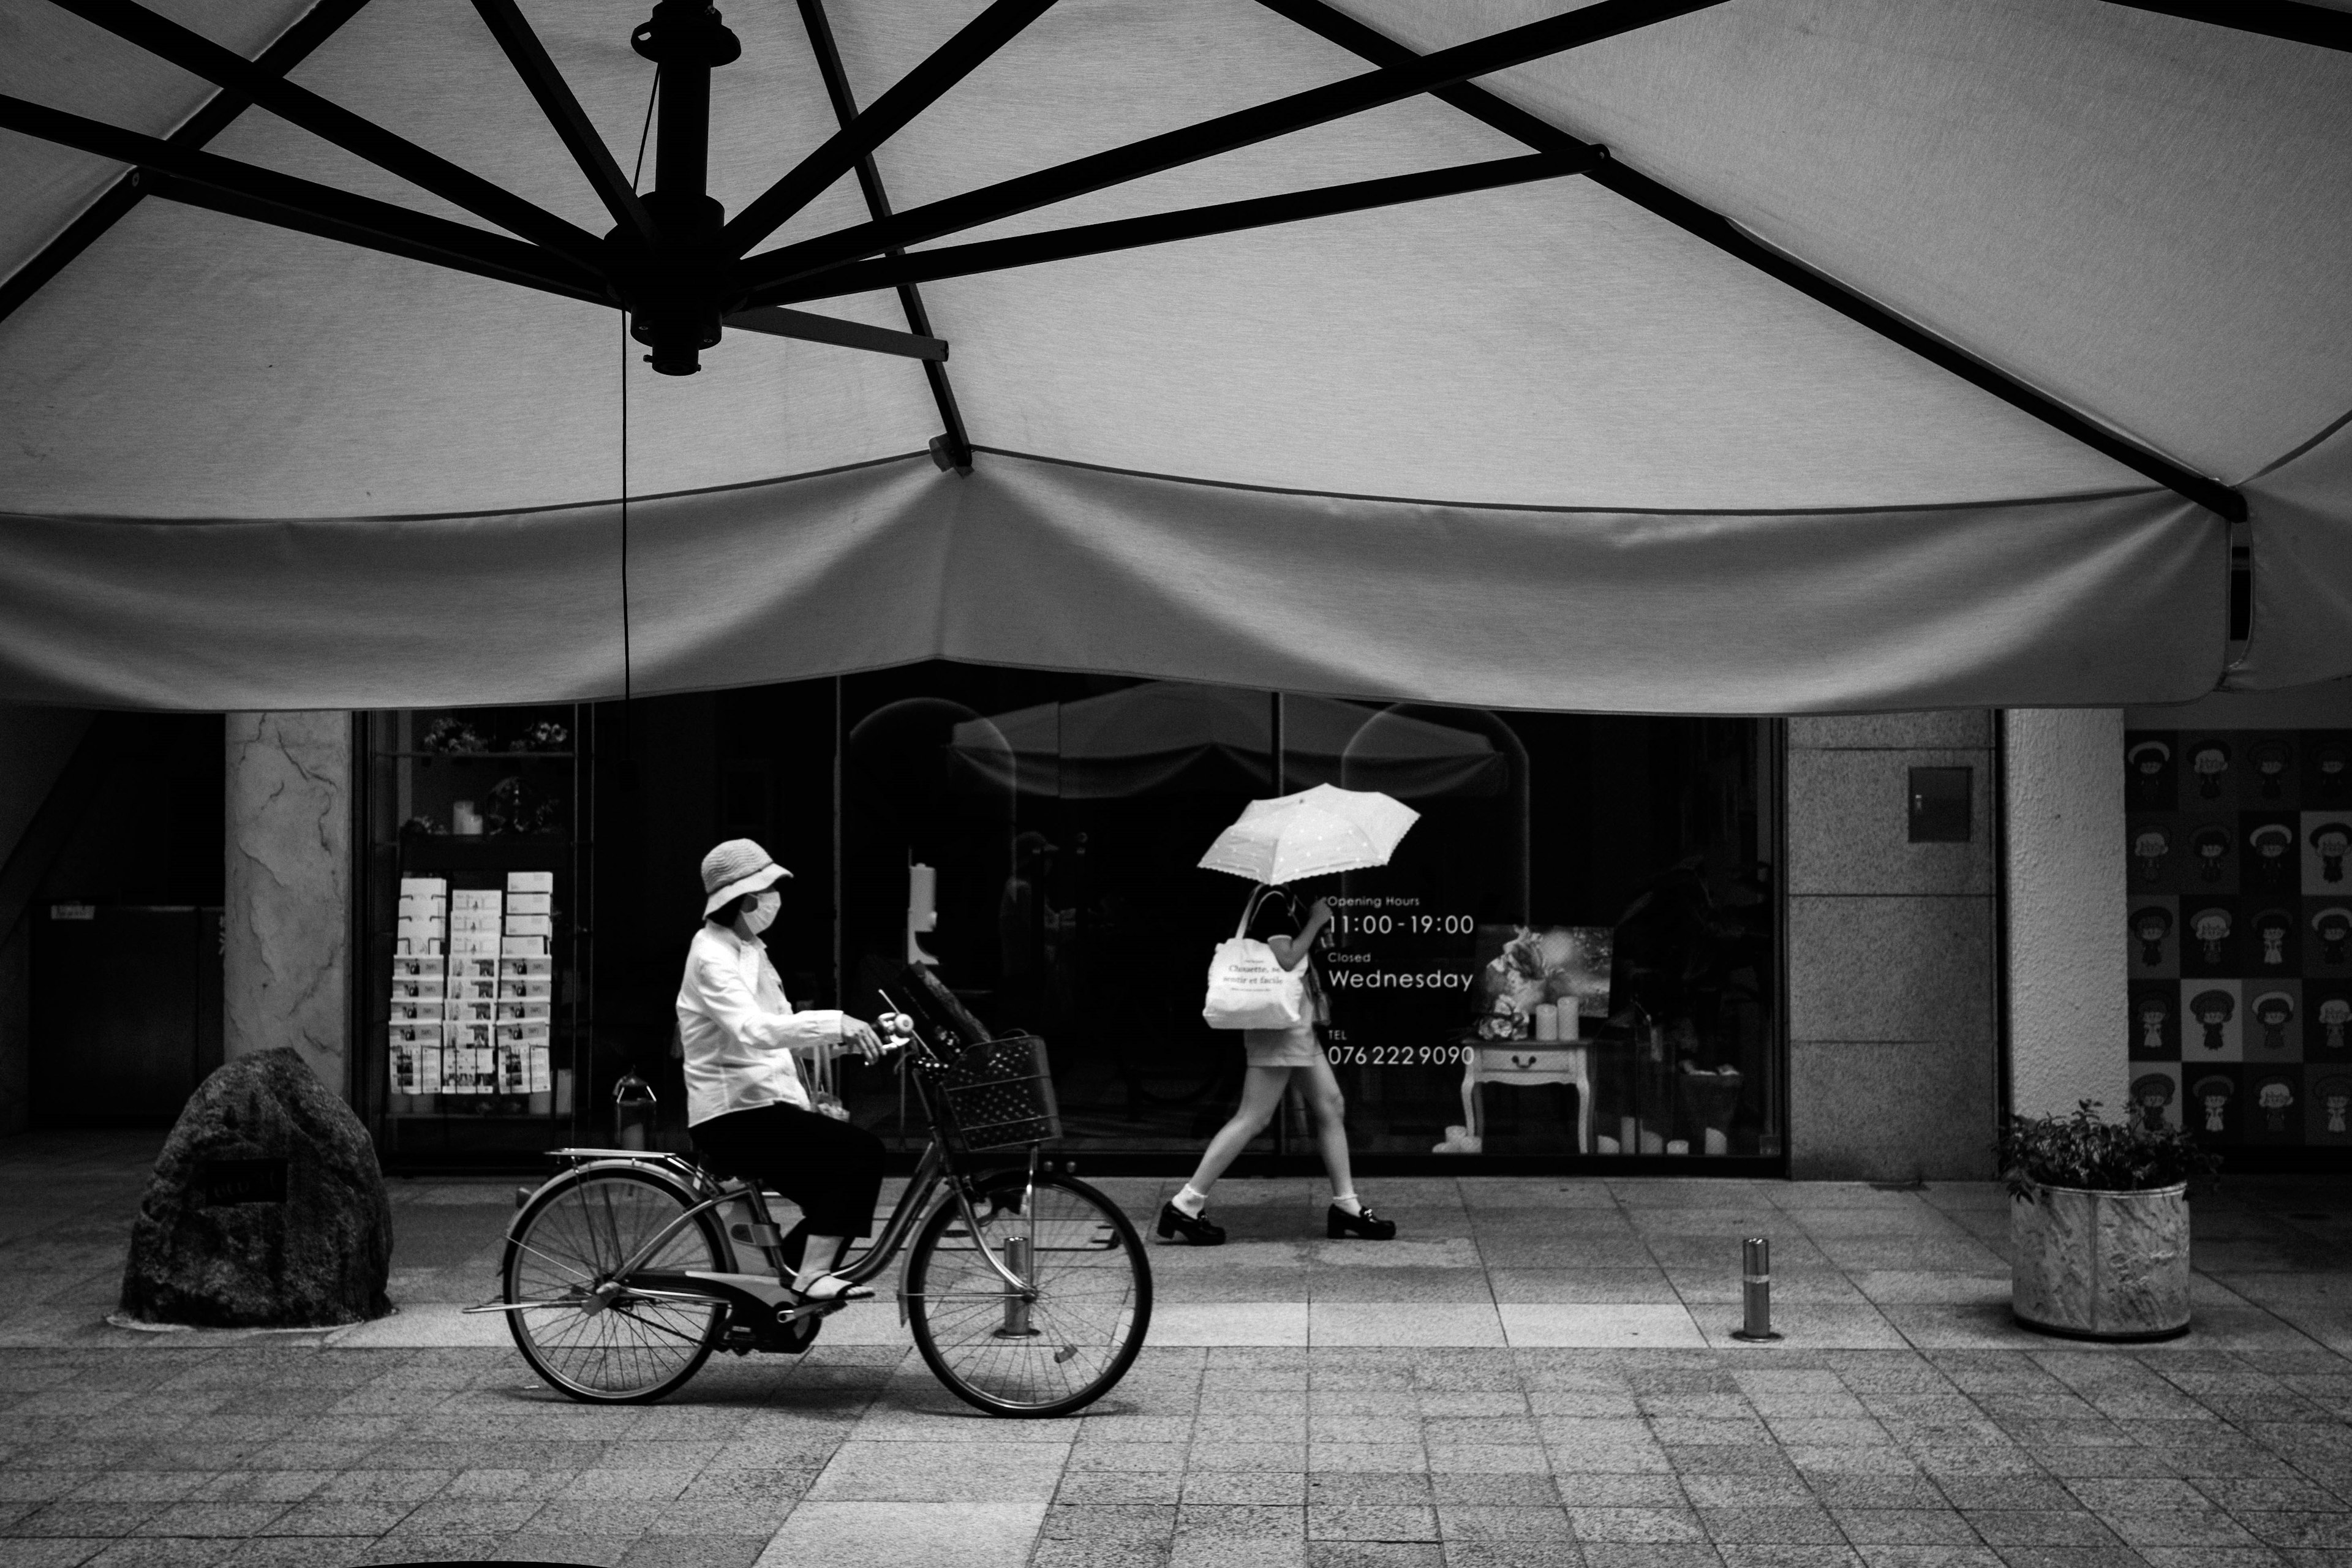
(1533, 1374)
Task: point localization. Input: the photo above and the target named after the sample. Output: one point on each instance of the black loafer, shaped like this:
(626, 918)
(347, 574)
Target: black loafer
(1195, 1229)
(1339, 1223)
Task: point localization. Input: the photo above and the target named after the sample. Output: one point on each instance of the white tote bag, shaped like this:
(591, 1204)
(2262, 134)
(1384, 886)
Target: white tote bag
(1248, 986)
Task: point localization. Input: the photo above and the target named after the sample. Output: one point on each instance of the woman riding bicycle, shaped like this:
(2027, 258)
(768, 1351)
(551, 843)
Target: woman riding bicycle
(748, 1112)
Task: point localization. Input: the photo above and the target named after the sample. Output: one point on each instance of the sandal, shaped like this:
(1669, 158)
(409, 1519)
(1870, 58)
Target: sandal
(840, 1289)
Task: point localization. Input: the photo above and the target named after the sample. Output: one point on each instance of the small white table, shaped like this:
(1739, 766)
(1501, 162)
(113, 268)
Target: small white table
(1523, 1064)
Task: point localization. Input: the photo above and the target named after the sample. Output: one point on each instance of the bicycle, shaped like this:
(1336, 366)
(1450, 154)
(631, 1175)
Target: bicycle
(1028, 1292)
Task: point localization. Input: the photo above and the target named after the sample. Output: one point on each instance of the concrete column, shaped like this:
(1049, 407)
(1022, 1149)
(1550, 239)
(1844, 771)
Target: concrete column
(2067, 994)
(1893, 1070)
(286, 929)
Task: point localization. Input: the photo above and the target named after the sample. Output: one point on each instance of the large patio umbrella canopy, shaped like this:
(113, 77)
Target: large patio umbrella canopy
(1896, 353)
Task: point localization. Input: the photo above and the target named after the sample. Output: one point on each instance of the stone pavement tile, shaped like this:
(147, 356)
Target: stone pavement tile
(939, 1472)
(1221, 1552)
(695, 1551)
(2037, 1527)
(434, 1549)
(1254, 1488)
(1099, 1554)
(1510, 1429)
(1905, 1554)
(1480, 1521)
(1514, 1286)
(1092, 1428)
(1213, 1431)
(2264, 1495)
(1633, 1491)
(140, 1485)
(1770, 1526)
(337, 1518)
(2144, 1528)
(718, 1517)
(1506, 1489)
(1599, 1326)
(1636, 1524)
(1836, 1490)
(1401, 1323)
(1649, 1554)
(1120, 1487)
(1691, 1432)
(2042, 1492)
(1225, 1324)
(1110, 1525)
(2212, 1557)
(2302, 1531)
(1402, 1399)
(1364, 1428)
(50, 1551)
(1904, 1526)
(1371, 1521)
(1724, 1459)
(1729, 1491)
(464, 1516)
(1451, 1402)
(609, 1483)
(1751, 1554)
(42, 1485)
(2069, 1557)
(1111, 1457)
(1334, 1488)
(862, 1534)
(312, 1551)
(1489, 1458)
(261, 1486)
(1241, 1522)
(1852, 1461)
(388, 1486)
(1375, 1555)
(617, 1521)
(1398, 1285)
(1249, 1455)
(93, 1520)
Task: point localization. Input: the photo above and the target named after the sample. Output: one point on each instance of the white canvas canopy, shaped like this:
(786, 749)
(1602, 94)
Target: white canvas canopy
(1557, 443)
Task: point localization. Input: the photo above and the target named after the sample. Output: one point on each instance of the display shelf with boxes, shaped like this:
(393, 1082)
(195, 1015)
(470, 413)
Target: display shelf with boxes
(477, 874)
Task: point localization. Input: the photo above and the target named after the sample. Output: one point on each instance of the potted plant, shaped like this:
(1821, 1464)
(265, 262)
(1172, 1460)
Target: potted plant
(2099, 1225)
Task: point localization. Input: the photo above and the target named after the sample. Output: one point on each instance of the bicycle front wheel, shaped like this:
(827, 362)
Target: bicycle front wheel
(1013, 1357)
(568, 1241)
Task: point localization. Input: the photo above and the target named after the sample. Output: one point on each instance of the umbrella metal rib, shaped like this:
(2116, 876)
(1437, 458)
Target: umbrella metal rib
(668, 264)
(290, 48)
(1357, 38)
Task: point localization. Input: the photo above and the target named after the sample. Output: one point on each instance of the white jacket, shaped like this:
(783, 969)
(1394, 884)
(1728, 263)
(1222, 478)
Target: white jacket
(738, 1033)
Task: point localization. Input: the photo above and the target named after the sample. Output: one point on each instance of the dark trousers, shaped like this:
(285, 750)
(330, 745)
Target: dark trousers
(832, 1170)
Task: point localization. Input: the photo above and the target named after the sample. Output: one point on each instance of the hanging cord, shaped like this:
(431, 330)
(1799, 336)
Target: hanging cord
(628, 684)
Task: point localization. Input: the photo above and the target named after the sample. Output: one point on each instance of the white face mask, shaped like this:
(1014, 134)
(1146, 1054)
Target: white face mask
(762, 912)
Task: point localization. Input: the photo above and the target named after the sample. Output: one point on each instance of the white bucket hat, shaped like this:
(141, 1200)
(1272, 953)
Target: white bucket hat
(736, 868)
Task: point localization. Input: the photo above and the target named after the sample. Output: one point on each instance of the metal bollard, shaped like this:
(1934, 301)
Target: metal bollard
(1016, 1310)
(1756, 1291)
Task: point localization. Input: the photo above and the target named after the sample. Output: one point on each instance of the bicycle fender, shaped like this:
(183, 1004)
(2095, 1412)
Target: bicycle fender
(659, 1169)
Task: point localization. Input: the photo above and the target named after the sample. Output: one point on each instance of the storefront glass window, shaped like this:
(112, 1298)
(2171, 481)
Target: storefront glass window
(1571, 956)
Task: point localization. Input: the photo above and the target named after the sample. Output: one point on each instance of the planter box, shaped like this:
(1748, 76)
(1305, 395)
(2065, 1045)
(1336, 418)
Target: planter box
(2101, 1266)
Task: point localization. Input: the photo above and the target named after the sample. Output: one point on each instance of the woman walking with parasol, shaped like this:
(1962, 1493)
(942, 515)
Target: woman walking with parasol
(1279, 844)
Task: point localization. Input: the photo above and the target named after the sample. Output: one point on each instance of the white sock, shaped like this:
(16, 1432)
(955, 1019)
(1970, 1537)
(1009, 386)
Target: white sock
(1189, 1202)
(1348, 1201)
(818, 1254)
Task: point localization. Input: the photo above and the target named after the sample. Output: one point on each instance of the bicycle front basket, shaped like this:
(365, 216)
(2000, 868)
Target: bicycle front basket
(1001, 1093)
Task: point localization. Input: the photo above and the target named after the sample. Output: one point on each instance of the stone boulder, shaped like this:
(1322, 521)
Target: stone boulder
(267, 1208)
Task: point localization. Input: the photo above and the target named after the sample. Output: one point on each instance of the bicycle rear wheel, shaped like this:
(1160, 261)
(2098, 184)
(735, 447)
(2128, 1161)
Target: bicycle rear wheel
(568, 1241)
(1049, 1357)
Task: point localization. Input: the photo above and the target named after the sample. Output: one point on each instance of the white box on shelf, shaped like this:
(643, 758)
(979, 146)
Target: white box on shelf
(512, 1012)
(473, 966)
(542, 1076)
(511, 989)
(530, 904)
(523, 947)
(530, 881)
(530, 925)
(416, 887)
(527, 969)
(475, 898)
